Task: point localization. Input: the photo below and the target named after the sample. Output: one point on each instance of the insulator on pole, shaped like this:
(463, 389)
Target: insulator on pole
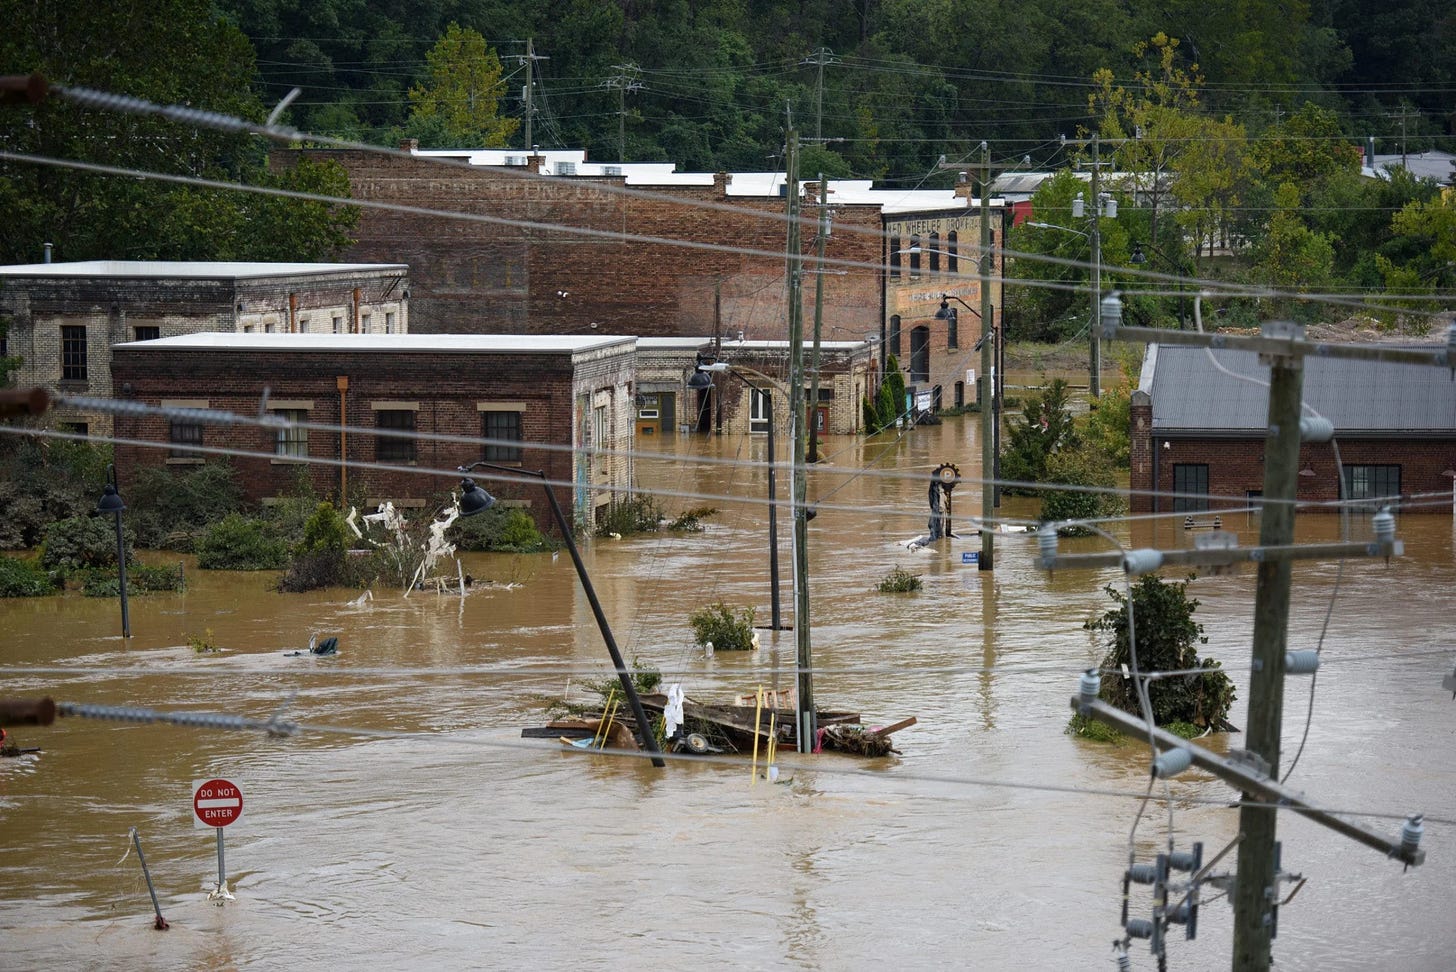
(1410, 833)
(1172, 762)
(1088, 686)
(1143, 561)
(1384, 525)
(1303, 662)
(1046, 541)
(1316, 428)
(1142, 873)
(1139, 928)
(1124, 961)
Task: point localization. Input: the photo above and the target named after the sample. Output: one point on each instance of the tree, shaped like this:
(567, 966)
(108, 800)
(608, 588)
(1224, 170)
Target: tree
(1167, 639)
(1044, 428)
(459, 103)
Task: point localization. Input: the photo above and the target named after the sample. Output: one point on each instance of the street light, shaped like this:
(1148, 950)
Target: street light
(990, 415)
(1138, 258)
(475, 500)
(110, 502)
(723, 367)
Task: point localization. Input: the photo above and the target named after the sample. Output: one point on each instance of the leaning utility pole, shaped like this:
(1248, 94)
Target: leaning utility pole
(820, 57)
(805, 728)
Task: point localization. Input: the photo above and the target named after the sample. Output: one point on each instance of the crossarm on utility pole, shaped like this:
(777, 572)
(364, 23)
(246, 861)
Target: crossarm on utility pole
(1244, 777)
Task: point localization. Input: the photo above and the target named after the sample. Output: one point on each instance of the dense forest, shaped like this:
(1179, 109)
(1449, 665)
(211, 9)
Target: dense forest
(1239, 121)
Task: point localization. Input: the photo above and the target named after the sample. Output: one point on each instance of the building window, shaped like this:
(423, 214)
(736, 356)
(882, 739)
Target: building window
(147, 332)
(952, 330)
(338, 323)
(915, 257)
(365, 323)
(504, 426)
(895, 335)
(935, 253)
(894, 258)
(392, 448)
(389, 322)
(952, 254)
(184, 435)
(292, 439)
(303, 325)
(73, 352)
(267, 328)
(760, 409)
(1190, 482)
(1372, 483)
(920, 353)
(76, 428)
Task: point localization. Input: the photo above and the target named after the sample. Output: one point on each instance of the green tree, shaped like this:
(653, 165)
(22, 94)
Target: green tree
(1085, 466)
(1044, 428)
(1431, 227)
(459, 103)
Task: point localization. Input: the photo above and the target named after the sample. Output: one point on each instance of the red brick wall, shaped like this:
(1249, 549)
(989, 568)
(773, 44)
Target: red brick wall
(446, 386)
(475, 277)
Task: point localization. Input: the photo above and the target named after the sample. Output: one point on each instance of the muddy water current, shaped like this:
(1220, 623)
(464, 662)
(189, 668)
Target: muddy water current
(427, 834)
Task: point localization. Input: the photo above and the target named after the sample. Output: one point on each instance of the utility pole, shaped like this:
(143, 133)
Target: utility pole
(1256, 891)
(624, 80)
(1403, 115)
(813, 404)
(988, 352)
(820, 57)
(1095, 236)
(529, 59)
(806, 728)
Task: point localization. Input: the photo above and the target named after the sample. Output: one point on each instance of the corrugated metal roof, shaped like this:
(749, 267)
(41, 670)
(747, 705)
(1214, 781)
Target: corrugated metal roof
(1190, 394)
(189, 270)
(459, 343)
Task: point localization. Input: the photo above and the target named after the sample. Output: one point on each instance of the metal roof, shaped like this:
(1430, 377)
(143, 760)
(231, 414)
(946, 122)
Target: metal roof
(1190, 394)
(396, 343)
(189, 270)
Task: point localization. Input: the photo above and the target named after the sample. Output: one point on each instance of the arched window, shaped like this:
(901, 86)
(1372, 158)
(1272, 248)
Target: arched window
(915, 257)
(920, 353)
(952, 255)
(952, 331)
(894, 258)
(895, 335)
(935, 253)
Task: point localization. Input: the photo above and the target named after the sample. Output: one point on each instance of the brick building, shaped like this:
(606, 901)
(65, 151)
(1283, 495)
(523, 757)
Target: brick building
(559, 404)
(65, 317)
(931, 253)
(846, 369)
(1199, 432)
(521, 269)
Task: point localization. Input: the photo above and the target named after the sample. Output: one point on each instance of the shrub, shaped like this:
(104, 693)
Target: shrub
(45, 480)
(322, 559)
(140, 579)
(237, 542)
(1080, 466)
(726, 630)
(501, 528)
(900, 581)
(23, 578)
(1030, 443)
(691, 521)
(169, 510)
(82, 542)
(324, 532)
(637, 514)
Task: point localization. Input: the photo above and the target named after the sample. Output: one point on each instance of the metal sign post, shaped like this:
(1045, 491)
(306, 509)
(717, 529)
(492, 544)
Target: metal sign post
(216, 803)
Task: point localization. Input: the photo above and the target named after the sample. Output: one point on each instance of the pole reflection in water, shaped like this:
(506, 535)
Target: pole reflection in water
(450, 836)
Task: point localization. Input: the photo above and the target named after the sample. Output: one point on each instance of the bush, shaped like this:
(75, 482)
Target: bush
(691, 521)
(900, 581)
(637, 514)
(140, 579)
(726, 630)
(45, 480)
(23, 578)
(322, 558)
(238, 542)
(80, 543)
(1080, 466)
(170, 510)
(1166, 640)
(507, 529)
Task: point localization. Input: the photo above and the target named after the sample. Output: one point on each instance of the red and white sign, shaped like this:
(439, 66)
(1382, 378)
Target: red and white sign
(216, 803)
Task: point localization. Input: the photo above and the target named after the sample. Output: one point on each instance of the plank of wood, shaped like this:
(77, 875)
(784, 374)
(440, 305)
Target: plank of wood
(896, 727)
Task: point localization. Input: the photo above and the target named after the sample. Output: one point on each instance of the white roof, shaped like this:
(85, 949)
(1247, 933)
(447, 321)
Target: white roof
(458, 343)
(189, 270)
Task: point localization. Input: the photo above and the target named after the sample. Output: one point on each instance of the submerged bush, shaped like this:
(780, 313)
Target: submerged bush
(638, 514)
(238, 542)
(140, 579)
(507, 529)
(80, 543)
(23, 578)
(725, 629)
(900, 581)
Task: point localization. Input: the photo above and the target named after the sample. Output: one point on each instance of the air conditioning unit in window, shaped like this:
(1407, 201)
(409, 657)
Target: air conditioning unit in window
(515, 160)
(612, 170)
(566, 168)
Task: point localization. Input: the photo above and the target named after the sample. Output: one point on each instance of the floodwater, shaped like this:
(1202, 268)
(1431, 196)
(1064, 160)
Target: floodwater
(429, 834)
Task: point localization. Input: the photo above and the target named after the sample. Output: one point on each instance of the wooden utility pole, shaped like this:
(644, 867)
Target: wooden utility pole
(989, 339)
(813, 403)
(1095, 238)
(1257, 889)
(795, 264)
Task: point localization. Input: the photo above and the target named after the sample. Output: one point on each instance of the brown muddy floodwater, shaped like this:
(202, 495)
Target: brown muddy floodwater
(446, 841)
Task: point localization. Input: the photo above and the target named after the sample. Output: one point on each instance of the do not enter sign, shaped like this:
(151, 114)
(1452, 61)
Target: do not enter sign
(216, 803)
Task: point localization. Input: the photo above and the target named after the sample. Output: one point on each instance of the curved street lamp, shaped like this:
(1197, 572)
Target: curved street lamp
(110, 502)
(475, 500)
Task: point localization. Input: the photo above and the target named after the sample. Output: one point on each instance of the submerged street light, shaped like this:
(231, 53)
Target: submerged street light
(110, 502)
(475, 500)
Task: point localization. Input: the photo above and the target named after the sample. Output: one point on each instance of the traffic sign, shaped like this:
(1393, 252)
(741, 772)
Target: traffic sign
(216, 803)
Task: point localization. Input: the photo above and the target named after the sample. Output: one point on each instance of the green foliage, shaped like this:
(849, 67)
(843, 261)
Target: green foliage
(170, 509)
(506, 529)
(43, 480)
(900, 581)
(204, 643)
(1167, 639)
(1085, 727)
(1081, 465)
(691, 521)
(1044, 428)
(140, 579)
(635, 514)
(724, 628)
(645, 681)
(325, 532)
(458, 104)
(889, 401)
(239, 542)
(80, 543)
(321, 558)
(1106, 429)
(24, 578)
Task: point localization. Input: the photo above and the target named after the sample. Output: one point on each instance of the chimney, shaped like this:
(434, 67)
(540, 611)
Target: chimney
(720, 183)
(410, 145)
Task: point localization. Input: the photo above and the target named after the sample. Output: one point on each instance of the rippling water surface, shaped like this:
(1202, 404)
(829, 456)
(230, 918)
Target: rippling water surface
(434, 836)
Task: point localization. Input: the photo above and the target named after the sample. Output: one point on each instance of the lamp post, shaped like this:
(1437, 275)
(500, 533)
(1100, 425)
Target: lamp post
(475, 500)
(1138, 258)
(723, 367)
(110, 502)
(990, 418)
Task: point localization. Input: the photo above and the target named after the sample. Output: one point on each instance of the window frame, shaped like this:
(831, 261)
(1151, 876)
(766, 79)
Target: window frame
(515, 422)
(291, 441)
(396, 449)
(1371, 476)
(1190, 503)
(74, 350)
